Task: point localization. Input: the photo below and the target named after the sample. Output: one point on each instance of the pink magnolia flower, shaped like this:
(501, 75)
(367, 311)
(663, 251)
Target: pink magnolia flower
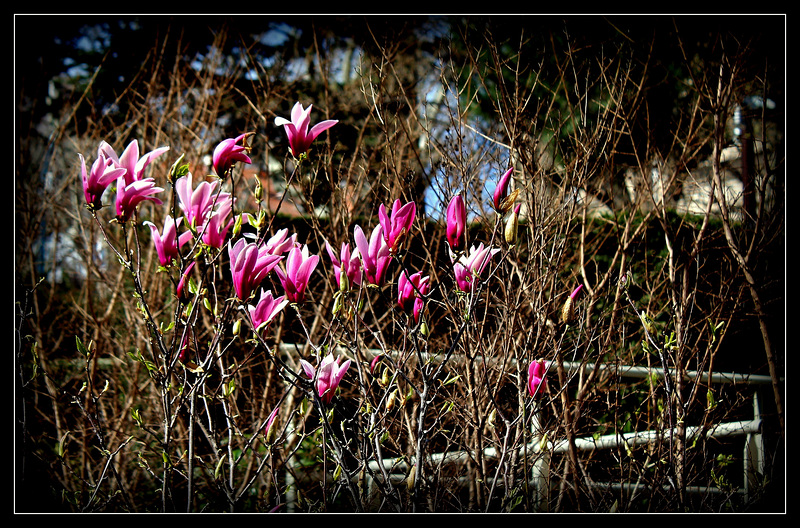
(345, 262)
(537, 380)
(216, 226)
(167, 242)
(197, 203)
(101, 175)
(130, 160)
(228, 152)
(375, 257)
(300, 137)
(329, 376)
(266, 309)
(397, 225)
(250, 264)
(500, 192)
(129, 196)
(299, 266)
(279, 243)
(456, 223)
(467, 267)
(410, 291)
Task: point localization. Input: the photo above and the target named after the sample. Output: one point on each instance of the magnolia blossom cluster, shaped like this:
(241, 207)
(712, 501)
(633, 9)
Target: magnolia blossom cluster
(127, 172)
(369, 262)
(251, 263)
(207, 211)
(411, 291)
(208, 222)
(469, 266)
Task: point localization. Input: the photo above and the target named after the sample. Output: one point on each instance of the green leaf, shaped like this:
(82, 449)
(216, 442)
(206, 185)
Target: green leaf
(81, 348)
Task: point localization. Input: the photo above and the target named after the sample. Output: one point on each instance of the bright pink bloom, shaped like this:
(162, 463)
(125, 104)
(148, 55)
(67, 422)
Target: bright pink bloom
(375, 257)
(266, 309)
(350, 262)
(300, 137)
(537, 380)
(329, 376)
(410, 291)
(196, 204)
(129, 196)
(167, 242)
(102, 174)
(397, 225)
(470, 266)
(575, 292)
(250, 264)
(456, 223)
(218, 223)
(299, 266)
(228, 152)
(280, 244)
(132, 189)
(501, 190)
(130, 159)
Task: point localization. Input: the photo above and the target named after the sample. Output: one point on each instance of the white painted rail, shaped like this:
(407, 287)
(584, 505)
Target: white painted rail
(540, 452)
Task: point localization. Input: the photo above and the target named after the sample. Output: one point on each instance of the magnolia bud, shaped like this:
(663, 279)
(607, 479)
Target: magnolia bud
(512, 224)
(337, 302)
(344, 280)
(411, 476)
(177, 170)
(385, 378)
(568, 310)
(491, 419)
(423, 328)
(237, 225)
(237, 327)
(259, 191)
(390, 400)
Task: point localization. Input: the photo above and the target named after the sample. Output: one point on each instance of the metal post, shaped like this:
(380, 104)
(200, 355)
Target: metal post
(753, 454)
(540, 474)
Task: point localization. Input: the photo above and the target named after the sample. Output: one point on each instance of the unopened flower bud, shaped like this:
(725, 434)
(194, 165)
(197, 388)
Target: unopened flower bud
(237, 225)
(390, 400)
(568, 310)
(512, 224)
(337, 302)
(423, 328)
(385, 378)
(344, 280)
(177, 170)
(411, 476)
(259, 191)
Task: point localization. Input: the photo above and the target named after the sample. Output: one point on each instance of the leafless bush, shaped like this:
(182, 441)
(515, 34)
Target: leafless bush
(110, 419)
